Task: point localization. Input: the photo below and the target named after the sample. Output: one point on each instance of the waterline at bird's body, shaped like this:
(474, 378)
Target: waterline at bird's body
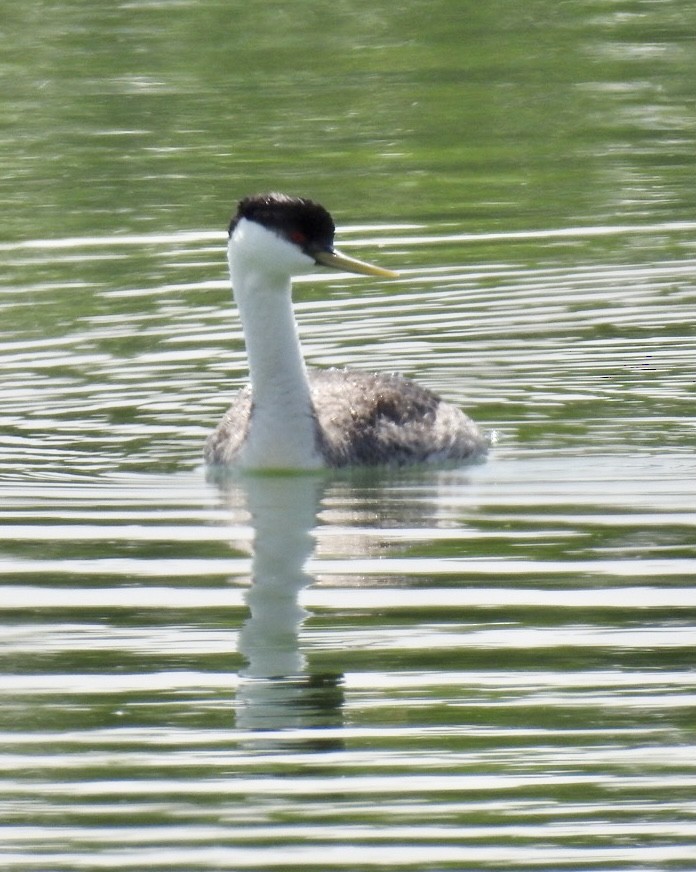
(292, 418)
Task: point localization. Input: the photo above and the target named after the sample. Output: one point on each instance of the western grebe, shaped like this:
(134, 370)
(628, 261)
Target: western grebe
(291, 417)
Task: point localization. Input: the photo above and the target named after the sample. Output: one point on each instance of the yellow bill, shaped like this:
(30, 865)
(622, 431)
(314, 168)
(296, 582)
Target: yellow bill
(342, 261)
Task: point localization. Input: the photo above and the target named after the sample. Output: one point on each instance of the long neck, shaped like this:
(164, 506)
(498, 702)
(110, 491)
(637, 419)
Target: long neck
(282, 429)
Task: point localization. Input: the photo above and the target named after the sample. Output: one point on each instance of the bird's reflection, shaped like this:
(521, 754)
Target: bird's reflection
(278, 690)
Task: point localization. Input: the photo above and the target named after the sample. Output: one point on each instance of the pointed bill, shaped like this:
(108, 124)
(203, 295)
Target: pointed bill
(342, 261)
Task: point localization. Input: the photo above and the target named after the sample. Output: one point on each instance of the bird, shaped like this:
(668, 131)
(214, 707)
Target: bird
(294, 418)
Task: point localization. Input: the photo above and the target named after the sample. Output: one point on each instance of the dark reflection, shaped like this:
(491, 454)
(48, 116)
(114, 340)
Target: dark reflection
(278, 689)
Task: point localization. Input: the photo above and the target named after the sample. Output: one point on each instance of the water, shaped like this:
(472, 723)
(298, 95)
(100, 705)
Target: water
(477, 668)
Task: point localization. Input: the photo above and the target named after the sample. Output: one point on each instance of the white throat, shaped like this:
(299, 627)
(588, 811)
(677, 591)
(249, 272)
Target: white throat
(282, 429)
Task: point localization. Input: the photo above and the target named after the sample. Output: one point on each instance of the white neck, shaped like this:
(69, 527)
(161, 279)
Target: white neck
(282, 429)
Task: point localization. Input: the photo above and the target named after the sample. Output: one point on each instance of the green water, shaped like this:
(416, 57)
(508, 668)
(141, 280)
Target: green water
(478, 668)
(143, 116)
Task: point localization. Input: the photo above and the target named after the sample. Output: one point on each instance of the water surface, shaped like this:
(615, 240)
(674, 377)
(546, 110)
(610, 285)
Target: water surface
(469, 668)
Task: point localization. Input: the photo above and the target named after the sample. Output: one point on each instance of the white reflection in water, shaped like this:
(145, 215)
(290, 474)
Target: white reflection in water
(276, 689)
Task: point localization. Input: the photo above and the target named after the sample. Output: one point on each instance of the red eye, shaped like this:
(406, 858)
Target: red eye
(298, 237)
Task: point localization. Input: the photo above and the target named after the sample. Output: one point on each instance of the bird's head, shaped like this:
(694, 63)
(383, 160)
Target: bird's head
(291, 234)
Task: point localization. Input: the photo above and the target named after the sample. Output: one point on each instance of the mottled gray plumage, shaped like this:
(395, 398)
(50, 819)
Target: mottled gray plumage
(366, 419)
